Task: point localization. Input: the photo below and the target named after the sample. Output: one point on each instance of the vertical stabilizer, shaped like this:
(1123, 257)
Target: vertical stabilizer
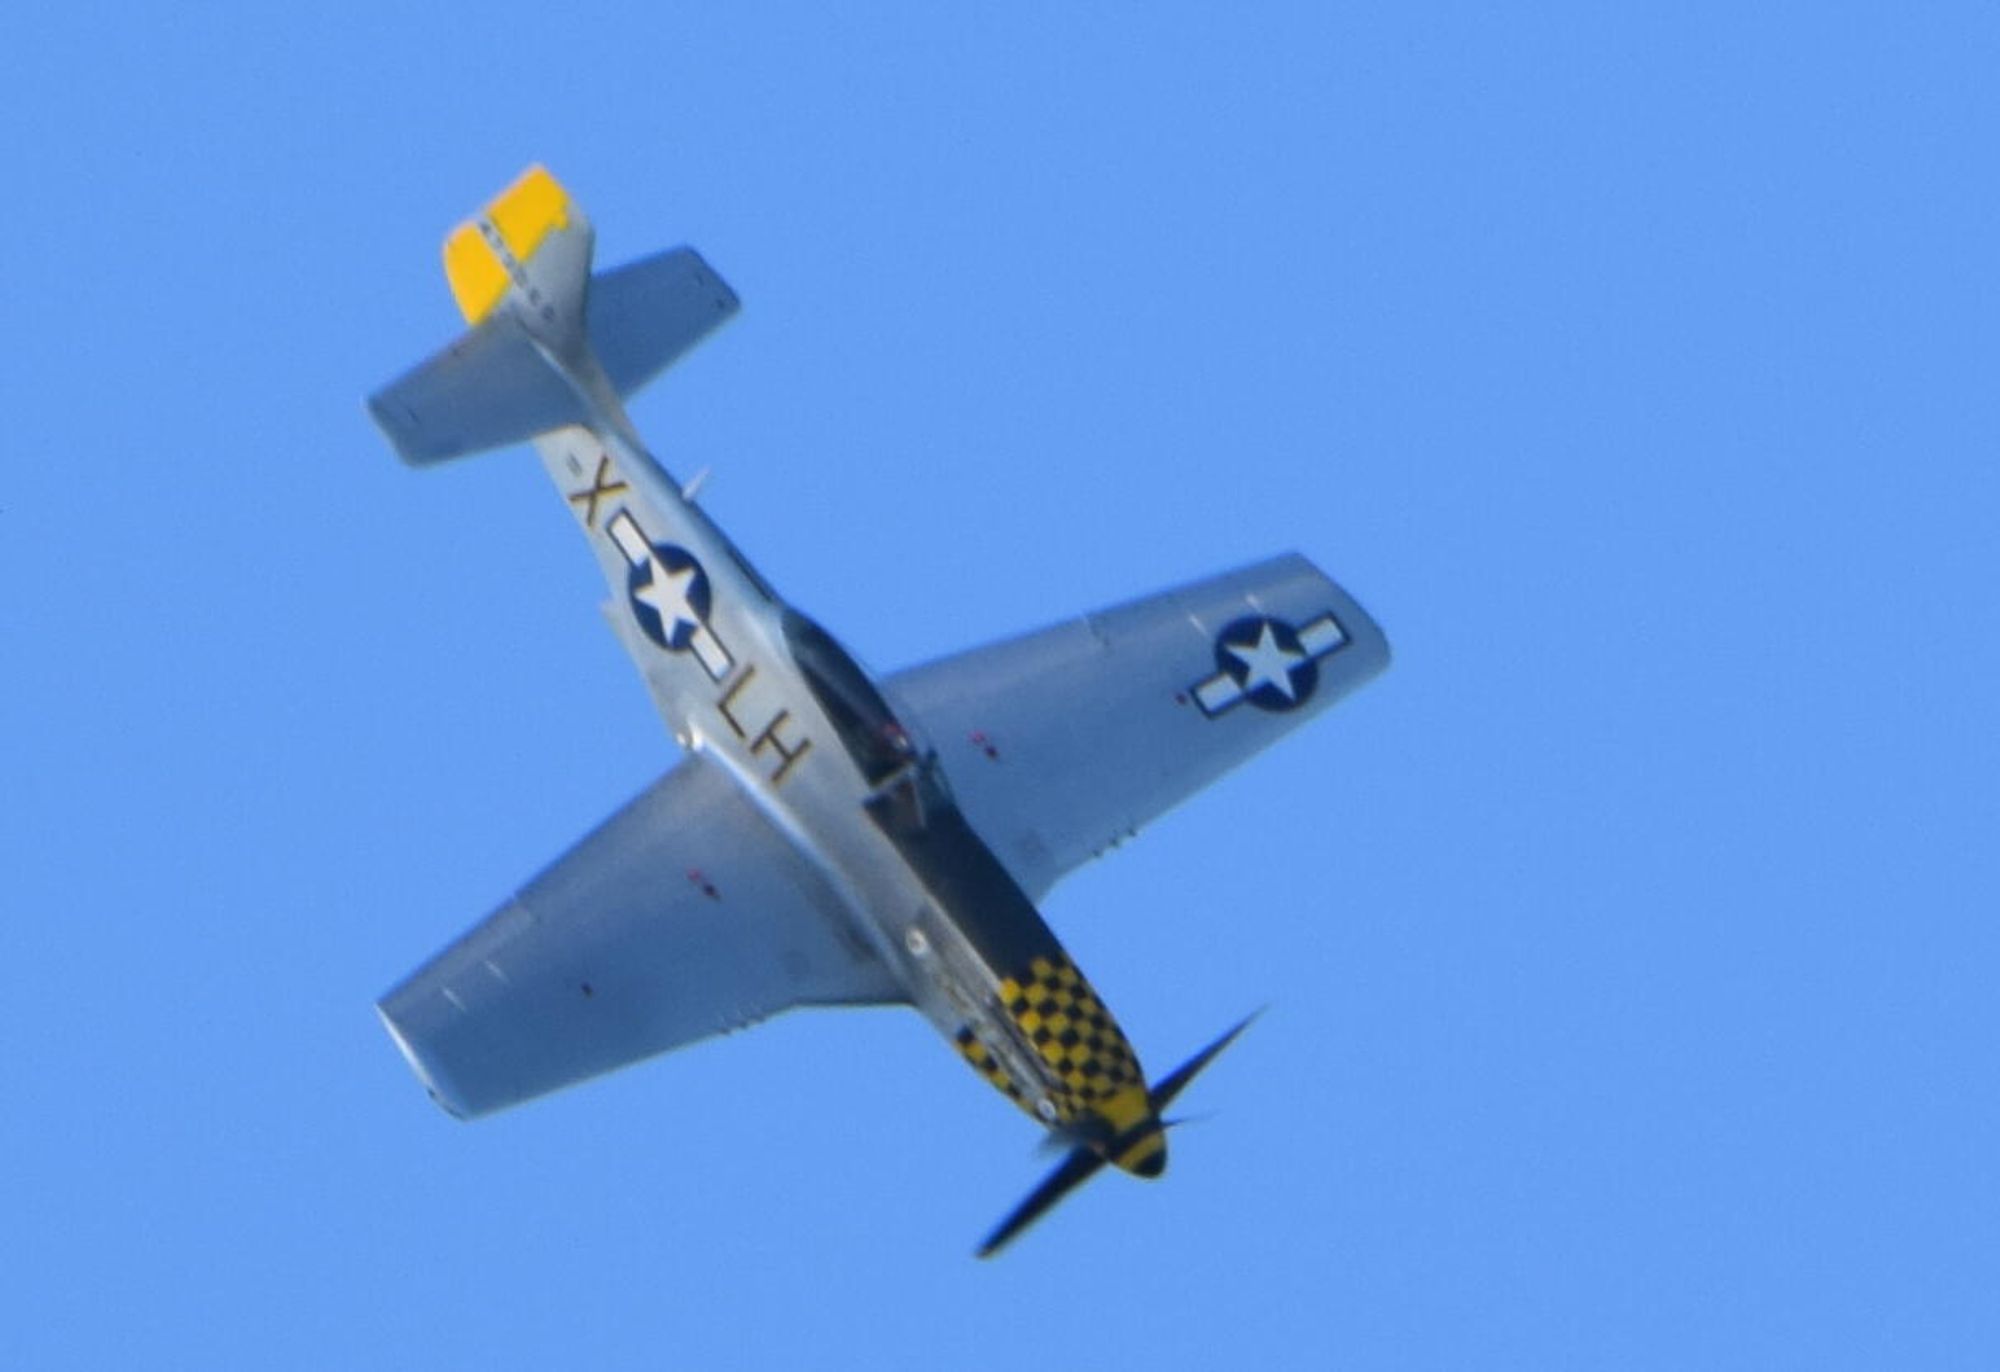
(529, 251)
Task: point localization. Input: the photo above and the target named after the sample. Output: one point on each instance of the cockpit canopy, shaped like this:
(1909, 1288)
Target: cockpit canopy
(868, 728)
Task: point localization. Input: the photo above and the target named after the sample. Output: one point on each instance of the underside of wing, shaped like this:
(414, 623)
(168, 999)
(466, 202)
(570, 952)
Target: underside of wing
(684, 915)
(1062, 742)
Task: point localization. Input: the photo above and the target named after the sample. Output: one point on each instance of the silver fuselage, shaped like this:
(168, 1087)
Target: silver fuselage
(736, 692)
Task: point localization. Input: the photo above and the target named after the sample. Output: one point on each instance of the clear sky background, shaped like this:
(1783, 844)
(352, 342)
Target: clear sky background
(1630, 945)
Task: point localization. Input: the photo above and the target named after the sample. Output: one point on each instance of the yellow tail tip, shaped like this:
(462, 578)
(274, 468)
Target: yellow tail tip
(482, 255)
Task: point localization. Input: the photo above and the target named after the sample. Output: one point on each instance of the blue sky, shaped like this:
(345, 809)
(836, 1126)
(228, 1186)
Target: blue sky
(1630, 945)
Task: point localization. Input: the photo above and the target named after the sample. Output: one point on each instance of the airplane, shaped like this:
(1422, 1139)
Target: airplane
(830, 838)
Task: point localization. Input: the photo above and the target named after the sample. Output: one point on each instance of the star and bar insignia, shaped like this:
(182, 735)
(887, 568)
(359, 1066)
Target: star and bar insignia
(1268, 663)
(669, 595)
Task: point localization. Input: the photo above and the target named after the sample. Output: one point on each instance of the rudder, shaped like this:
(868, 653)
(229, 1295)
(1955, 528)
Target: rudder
(532, 244)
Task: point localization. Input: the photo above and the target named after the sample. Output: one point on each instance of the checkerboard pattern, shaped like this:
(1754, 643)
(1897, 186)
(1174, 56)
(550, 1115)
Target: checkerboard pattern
(1072, 1031)
(983, 1062)
(1097, 1079)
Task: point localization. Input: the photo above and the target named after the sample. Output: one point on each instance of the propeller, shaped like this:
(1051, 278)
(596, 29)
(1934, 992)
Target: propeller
(1084, 1160)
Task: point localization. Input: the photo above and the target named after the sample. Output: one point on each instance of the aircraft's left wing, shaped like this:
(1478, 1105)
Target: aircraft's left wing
(684, 915)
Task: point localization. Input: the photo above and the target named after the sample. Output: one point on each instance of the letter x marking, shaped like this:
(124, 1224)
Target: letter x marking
(599, 488)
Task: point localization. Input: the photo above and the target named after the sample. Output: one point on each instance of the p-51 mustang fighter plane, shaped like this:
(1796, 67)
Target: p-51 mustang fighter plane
(830, 839)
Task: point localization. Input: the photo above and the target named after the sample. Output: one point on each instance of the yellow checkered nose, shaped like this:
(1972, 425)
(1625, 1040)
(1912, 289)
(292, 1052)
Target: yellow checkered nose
(1071, 1031)
(1094, 1090)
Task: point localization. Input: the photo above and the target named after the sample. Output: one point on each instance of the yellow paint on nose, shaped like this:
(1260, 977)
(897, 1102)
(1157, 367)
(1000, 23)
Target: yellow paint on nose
(1072, 1032)
(1139, 1141)
(1147, 1156)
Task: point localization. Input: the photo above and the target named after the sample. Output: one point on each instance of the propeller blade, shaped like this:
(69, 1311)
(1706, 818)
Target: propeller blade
(1174, 1082)
(1084, 1160)
(1076, 1169)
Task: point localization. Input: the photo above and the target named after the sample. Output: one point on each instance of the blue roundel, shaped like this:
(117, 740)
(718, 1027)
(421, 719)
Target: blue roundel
(670, 596)
(1265, 659)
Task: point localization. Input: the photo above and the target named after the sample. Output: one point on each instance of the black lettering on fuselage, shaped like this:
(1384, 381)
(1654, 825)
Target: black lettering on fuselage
(756, 711)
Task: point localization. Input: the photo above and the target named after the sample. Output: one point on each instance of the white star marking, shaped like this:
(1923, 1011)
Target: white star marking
(667, 593)
(1267, 663)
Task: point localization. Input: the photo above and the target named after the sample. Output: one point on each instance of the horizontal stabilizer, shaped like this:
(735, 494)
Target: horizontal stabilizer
(495, 386)
(644, 315)
(490, 388)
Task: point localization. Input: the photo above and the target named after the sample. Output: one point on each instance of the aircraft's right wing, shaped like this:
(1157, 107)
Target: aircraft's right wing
(685, 914)
(1062, 742)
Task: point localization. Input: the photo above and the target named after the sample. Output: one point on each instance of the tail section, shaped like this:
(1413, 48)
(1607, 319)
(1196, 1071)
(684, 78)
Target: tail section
(550, 344)
(530, 249)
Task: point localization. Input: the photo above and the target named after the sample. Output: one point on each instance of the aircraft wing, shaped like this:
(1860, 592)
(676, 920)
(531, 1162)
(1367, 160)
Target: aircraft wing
(685, 914)
(1061, 743)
